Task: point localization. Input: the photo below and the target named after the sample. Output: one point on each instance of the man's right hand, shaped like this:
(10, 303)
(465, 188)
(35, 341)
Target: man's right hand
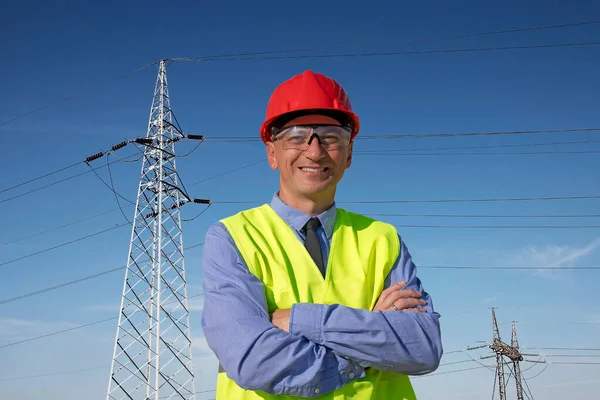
(397, 298)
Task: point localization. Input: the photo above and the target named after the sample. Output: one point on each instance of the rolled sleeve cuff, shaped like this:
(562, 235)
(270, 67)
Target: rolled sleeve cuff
(337, 373)
(306, 320)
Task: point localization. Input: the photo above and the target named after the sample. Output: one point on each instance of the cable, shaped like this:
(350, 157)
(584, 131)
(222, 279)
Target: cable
(405, 53)
(58, 227)
(117, 195)
(60, 245)
(56, 333)
(59, 286)
(499, 226)
(572, 355)
(406, 41)
(477, 147)
(237, 139)
(234, 139)
(57, 182)
(76, 281)
(486, 215)
(116, 209)
(230, 171)
(563, 348)
(201, 212)
(495, 199)
(72, 96)
(110, 187)
(505, 267)
(483, 153)
(41, 177)
(416, 40)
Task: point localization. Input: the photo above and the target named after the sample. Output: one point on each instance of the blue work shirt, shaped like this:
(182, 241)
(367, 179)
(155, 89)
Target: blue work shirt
(328, 345)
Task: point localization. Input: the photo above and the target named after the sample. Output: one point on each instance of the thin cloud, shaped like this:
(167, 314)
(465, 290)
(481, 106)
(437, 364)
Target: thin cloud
(553, 256)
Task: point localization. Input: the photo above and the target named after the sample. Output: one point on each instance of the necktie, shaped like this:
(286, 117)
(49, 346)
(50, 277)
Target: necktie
(312, 243)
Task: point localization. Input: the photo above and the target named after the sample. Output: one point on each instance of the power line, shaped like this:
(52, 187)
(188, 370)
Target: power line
(56, 333)
(76, 94)
(60, 286)
(498, 226)
(79, 280)
(506, 267)
(58, 227)
(54, 183)
(117, 208)
(485, 215)
(233, 139)
(494, 199)
(416, 40)
(230, 171)
(404, 53)
(405, 41)
(61, 245)
(531, 153)
(564, 348)
(405, 149)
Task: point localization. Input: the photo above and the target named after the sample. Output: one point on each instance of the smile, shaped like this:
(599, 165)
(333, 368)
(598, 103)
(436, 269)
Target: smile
(307, 169)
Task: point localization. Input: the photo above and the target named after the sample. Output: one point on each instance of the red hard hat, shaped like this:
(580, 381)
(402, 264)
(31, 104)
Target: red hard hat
(306, 93)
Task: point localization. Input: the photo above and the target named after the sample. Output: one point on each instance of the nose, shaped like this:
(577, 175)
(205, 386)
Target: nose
(314, 150)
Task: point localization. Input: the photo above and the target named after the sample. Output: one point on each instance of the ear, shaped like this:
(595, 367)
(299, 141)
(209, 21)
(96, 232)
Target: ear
(271, 156)
(349, 159)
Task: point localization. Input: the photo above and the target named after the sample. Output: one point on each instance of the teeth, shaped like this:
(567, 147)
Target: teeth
(306, 169)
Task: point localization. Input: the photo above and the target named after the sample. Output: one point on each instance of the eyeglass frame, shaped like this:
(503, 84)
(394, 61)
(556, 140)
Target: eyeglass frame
(276, 131)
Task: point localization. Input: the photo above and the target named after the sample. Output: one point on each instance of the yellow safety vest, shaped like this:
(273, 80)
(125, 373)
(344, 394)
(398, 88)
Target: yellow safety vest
(362, 253)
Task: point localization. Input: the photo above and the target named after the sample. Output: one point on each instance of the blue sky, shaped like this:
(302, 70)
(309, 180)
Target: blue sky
(53, 51)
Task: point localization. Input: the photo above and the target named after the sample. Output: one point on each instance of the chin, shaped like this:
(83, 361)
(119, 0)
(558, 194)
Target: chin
(315, 190)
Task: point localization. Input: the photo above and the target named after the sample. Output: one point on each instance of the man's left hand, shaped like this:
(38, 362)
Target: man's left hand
(281, 319)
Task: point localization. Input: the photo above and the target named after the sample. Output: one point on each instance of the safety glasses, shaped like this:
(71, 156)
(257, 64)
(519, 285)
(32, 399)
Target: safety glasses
(299, 137)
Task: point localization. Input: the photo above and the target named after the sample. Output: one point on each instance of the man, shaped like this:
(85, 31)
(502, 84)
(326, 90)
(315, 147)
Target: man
(305, 299)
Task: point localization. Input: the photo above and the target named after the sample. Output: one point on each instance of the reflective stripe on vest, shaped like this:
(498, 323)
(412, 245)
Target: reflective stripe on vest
(362, 253)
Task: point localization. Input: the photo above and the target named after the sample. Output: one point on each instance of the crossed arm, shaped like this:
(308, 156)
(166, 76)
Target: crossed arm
(327, 346)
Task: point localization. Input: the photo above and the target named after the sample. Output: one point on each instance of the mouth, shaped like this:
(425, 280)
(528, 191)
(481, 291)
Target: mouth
(314, 170)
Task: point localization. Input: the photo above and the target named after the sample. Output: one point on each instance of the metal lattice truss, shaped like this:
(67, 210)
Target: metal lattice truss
(152, 355)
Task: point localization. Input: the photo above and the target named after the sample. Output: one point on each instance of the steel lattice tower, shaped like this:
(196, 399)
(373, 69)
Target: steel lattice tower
(498, 346)
(152, 354)
(514, 342)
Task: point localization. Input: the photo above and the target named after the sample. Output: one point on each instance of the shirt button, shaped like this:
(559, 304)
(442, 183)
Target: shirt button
(351, 375)
(317, 390)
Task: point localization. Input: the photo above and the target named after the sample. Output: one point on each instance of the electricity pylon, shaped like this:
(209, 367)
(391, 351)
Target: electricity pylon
(152, 356)
(514, 342)
(498, 346)
(512, 352)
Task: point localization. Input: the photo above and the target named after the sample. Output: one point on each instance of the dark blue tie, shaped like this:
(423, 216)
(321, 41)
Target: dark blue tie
(312, 243)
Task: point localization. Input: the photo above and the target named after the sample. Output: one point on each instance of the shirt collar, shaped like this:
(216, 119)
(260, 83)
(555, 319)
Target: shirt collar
(297, 219)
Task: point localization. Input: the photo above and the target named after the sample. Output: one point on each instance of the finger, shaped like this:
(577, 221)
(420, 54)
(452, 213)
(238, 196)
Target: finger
(405, 303)
(402, 294)
(384, 296)
(415, 309)
(409, 293)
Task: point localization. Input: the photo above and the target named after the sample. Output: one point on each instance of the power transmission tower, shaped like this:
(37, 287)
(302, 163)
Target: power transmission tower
(512, 352)
(152, 353)
(498, 346)
(514, 342)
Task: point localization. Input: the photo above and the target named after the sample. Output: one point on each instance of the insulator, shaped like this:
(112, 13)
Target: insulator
(144, 141)
(196, 137)
(119, 146)
(202, 201)
(94, 157)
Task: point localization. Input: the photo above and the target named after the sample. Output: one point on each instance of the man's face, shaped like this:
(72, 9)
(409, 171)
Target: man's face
(314, 172)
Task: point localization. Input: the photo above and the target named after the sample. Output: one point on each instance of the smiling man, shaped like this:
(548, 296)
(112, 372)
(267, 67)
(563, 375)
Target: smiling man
(306, 299)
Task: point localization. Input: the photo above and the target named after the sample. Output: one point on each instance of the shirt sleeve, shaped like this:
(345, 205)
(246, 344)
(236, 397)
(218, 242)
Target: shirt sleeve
(253, 352)
(396, 341)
